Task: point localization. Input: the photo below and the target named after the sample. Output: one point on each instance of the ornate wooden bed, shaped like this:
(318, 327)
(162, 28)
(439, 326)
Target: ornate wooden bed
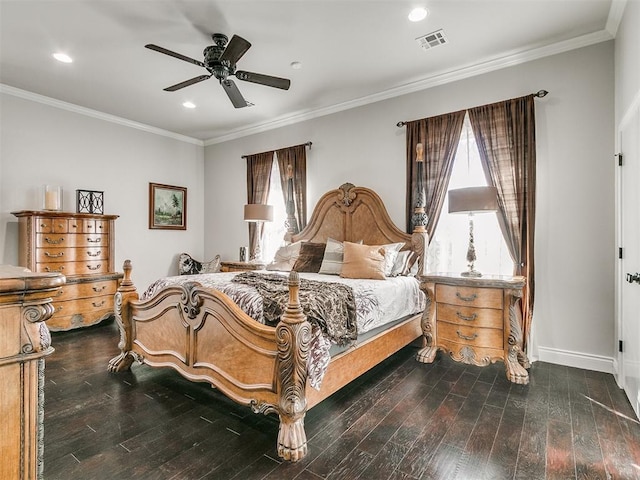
(206, 337)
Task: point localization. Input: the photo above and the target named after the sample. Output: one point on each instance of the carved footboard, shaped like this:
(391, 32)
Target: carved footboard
(205, 336)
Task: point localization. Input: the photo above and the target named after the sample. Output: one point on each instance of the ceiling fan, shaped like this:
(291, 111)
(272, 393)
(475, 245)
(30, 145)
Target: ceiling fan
(220, 60)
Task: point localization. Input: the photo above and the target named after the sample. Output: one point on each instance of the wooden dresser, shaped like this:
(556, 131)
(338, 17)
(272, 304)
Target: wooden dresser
(81, 247)
(25, 304)
(476, 320)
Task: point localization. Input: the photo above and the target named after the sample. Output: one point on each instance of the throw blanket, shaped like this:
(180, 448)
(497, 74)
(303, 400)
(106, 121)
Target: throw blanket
(330, 306)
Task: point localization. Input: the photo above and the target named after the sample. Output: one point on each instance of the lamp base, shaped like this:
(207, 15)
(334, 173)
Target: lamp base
(471, 273)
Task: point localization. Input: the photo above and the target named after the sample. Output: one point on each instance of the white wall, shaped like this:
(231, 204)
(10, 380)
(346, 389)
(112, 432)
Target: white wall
(42, 144)
(575, 216)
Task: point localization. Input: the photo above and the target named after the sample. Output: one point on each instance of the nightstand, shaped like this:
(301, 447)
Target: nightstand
(476, 320)
(241, 266)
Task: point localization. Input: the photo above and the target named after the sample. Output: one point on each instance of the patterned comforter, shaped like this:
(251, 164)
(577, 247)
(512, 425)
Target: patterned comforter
(377, 302)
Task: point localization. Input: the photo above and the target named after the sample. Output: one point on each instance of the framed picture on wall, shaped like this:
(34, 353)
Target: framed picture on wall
(167, 207)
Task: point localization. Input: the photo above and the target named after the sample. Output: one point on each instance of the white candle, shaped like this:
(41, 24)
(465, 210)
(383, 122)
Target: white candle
(52, 198)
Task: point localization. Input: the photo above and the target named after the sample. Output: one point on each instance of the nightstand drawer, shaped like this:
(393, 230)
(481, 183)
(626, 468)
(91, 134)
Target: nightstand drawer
(482, 337)
(469, 296)
(470, 316)
(462, 352)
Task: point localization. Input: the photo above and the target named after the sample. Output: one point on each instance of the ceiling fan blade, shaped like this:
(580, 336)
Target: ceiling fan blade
(236, 48)
(233, 93)
(150, 46)
(268, 80)
(186, 83)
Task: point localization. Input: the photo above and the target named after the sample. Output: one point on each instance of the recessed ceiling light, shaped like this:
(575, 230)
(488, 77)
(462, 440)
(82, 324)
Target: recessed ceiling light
(296, 65)
(418, 14)
(189, 105)
(62, 57)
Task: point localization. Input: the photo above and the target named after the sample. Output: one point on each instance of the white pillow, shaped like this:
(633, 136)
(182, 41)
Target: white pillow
(390, 254)
(333, 257)
(404, 263)
(285, 257)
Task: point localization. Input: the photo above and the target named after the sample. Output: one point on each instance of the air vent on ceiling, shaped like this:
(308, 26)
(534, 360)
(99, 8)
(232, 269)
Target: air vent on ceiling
(432, 39)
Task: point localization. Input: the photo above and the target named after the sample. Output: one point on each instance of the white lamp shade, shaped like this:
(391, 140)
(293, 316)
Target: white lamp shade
(473, 199)
(258, 212)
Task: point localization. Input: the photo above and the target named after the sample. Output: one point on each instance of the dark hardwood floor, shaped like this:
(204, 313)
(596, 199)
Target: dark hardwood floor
(402, 420)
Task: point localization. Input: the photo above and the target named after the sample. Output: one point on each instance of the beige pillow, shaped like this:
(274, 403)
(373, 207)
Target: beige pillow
(363, 261)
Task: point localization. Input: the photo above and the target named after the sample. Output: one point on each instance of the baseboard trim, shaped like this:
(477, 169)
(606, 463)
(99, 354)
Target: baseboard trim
(568, 358)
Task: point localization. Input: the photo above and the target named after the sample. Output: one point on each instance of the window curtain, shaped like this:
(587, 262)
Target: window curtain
(258, 184)
(439, 136)
(296, 157)
(505, 135)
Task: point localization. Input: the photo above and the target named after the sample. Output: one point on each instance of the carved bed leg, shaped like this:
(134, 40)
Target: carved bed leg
(428, 353)
(293, 336)
(126, 292)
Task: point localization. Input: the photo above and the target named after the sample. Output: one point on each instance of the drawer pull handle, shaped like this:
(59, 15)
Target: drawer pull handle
(60, 292)
(96, 254)
(59, 309)
(94, 240)
(99, 289)
(47, 269)
(469, 318)
(467, 337)
(96, 304)
(94, 267)
(54, 242)
(470, 298)
(54, 255)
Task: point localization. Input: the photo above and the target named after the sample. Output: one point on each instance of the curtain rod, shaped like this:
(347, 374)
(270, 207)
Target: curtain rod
(306, 144)
(538, 94)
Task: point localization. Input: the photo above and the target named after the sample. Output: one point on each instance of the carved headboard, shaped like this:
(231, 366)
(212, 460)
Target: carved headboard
(354, 214)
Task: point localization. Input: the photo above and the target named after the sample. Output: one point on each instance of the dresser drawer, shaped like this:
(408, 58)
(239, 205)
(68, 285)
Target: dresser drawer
(80, 313)
(482, 337)
(470, 316)
(469, 296)
(74, 268)
(71, 254)
(51, 225)
(74, 291)
(471, 354)
(44, 240)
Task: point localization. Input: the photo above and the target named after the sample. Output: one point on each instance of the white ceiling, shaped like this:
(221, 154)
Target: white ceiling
(352, 52)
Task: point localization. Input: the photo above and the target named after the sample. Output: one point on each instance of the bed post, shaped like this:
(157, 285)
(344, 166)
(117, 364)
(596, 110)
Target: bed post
(420, 244)
(126, 292)
(293, 336)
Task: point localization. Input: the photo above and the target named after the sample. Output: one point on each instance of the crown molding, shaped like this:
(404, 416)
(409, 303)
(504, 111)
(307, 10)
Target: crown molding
(440, 78)
(615, 16)
(52, 102)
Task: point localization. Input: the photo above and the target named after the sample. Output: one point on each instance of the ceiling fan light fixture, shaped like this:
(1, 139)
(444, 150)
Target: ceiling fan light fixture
(296, 65)
(189, 105)
(418, 14)
(62, 57)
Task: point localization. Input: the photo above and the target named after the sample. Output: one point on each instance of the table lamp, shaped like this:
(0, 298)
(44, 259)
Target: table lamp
(471, 201)
(258, 213)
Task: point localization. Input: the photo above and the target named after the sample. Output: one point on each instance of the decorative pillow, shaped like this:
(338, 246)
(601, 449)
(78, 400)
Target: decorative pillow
(390, 254)
(310, 257)
(333, 255)
(285, 257)
(363, 261)
(187, 265)
(404, 263)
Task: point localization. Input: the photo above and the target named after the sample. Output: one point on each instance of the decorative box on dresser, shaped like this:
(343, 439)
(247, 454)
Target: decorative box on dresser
(80, 246)
(241, 266)
(25, 305)
(476, 320)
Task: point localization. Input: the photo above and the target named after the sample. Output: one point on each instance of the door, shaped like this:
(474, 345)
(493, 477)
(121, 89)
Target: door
(630, 263)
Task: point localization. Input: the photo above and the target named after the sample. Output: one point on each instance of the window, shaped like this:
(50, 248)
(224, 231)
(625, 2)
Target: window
(448, 248)
(274, 232)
